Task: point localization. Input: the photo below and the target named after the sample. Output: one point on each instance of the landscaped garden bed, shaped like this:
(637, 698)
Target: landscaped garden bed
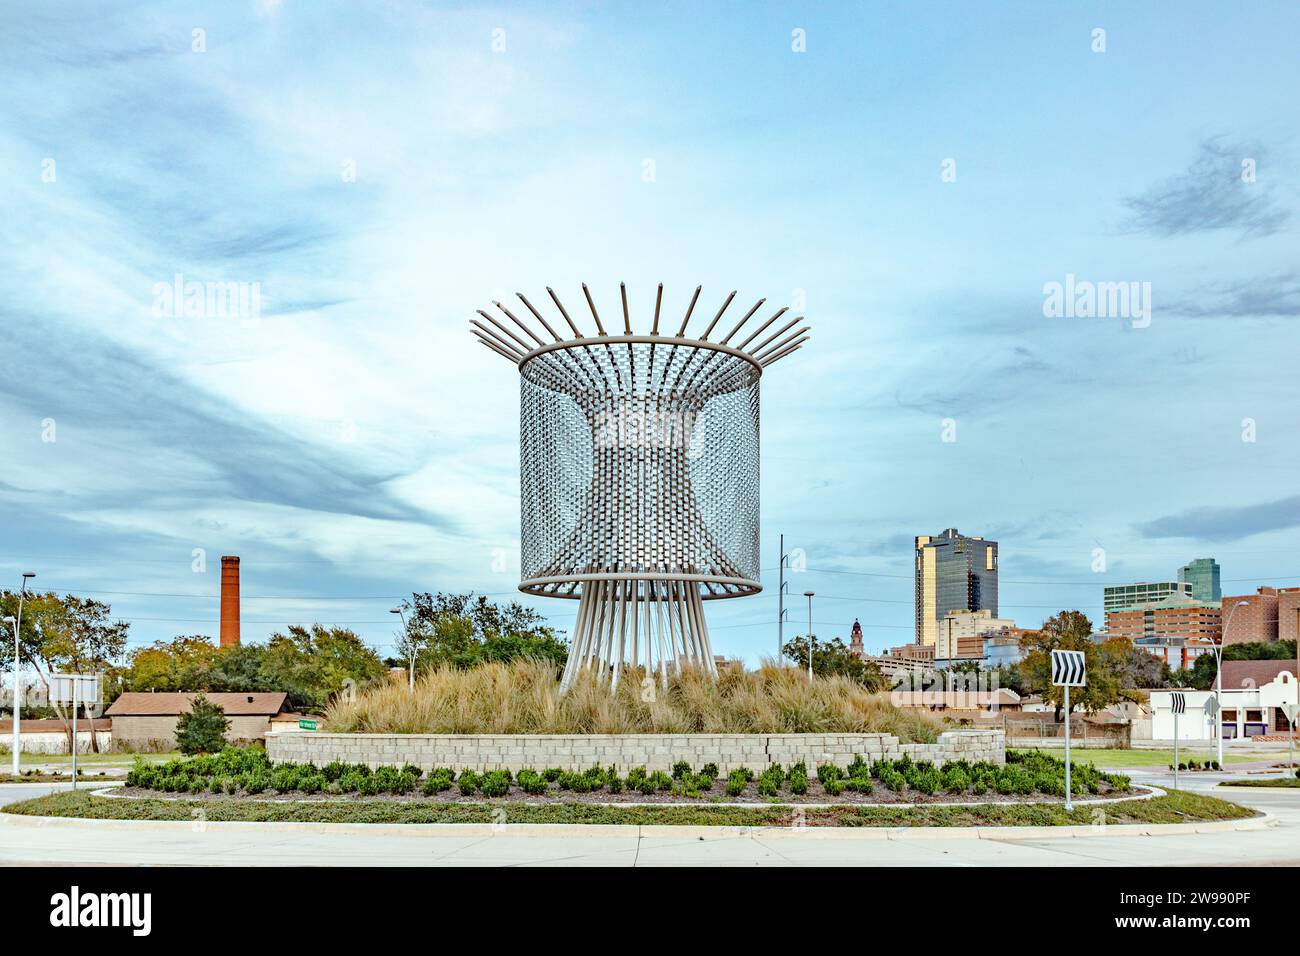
(1176, 807)
(246, 774)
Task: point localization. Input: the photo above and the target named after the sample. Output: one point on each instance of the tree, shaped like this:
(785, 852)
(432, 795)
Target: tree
(202, 730)
(833, 658)
(464, 630)
(1201, 675)
(66, 634)
(1071, 631)
(314, 664)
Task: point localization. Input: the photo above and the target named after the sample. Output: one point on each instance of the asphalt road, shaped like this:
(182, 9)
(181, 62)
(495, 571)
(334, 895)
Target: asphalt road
(27, 842)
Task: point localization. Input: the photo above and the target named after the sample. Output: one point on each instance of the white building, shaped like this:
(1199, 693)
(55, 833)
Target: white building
(1247, 711)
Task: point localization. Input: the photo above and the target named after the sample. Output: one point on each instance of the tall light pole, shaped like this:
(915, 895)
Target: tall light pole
(18, 696)
(780, 603)
(809, 596)
(409, 646)
(1218, 678)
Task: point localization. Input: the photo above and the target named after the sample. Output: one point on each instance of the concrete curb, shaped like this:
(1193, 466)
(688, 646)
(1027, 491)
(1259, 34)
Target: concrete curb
(608, 831)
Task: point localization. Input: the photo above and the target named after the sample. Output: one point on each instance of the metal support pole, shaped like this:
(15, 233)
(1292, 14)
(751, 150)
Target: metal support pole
(1175, 750)
(74, 731)
(1069, 803)
(1218, 697)
(809, 596)
(780, 602)
(18, 673)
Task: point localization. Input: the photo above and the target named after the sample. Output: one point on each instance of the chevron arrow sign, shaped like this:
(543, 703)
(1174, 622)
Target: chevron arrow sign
(1179, 705)
(1068, 669)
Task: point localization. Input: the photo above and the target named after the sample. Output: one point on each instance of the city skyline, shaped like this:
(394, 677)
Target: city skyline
(919, 182)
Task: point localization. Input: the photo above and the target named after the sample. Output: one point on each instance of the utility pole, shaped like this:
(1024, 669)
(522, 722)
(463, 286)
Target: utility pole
(780, 602)
(18, 674)
(809, 596)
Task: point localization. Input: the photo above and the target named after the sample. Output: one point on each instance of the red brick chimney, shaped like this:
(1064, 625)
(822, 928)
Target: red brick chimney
(229, 600)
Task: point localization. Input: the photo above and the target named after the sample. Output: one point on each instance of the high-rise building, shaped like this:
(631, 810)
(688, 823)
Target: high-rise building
(1203, 575)
(1127, 597)
(954, 572)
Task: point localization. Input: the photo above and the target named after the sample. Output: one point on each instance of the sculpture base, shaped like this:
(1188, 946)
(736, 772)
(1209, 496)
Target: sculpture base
(624, 623)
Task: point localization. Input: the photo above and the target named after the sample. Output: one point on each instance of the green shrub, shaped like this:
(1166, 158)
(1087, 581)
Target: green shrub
(468, 781)
(737, 781)
(552, 774)
(203, 728)
(827, 772)
(799, 779)
(530, 781)
(495, 783)
(680, 769)
(955, 779)
(613, 780)
(770, 780)
(352, 780)
(835, 786)
(438, 781)
(412, 770)
(709, 770)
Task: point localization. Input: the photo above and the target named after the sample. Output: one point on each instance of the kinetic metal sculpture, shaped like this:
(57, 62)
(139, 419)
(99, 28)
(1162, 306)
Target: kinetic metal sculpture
(638, 459)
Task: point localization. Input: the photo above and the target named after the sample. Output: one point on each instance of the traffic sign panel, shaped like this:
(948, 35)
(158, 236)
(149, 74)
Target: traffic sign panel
(1069, 669)
(1179, 703)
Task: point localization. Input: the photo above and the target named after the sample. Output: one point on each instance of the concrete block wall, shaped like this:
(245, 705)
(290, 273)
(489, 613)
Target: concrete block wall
(624, 751)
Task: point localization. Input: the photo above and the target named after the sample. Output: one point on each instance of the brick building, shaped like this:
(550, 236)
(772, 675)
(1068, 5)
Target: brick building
(1256, 618)
(144, 721)
(1191, 620)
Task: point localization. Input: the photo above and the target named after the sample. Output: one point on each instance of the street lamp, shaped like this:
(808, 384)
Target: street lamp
(809, 596)
(409, 646)
(1218, 678)
(18, 697)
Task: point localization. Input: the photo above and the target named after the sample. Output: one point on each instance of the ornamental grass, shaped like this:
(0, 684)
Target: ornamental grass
(523, 697)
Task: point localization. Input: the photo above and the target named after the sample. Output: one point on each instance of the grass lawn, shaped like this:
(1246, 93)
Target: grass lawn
(1283, 782)
(1177, 807)
(86, 760)
(1149, 758)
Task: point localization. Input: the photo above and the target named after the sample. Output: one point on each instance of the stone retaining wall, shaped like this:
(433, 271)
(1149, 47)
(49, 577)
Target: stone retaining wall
(653, 751)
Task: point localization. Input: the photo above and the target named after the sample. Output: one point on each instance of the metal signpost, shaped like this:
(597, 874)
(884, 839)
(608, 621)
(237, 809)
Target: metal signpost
(1292, 711)
(75, 689)
(1179, 707)
(1069, 669)
(1212, 711)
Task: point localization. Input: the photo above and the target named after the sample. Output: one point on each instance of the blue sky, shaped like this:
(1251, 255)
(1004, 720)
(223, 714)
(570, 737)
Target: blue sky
(354, 443)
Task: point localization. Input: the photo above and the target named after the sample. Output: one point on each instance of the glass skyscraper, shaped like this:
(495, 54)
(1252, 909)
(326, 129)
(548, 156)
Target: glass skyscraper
(1203, 575)
(954, 572)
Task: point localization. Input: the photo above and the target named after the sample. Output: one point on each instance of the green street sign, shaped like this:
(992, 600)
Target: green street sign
(306, 725)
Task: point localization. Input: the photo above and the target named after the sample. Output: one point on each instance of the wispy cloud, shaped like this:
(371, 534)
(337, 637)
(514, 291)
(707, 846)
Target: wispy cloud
(1215, 192)
(1269, 296)
(1226, 523)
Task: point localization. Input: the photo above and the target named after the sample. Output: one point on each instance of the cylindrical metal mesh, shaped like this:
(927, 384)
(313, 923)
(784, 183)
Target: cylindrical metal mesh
(639, 459)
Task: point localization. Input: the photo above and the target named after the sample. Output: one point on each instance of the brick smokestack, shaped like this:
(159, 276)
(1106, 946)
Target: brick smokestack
(229, 600)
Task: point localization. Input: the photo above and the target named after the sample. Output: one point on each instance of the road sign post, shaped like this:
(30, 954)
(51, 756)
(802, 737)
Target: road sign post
(1069, 669)
(75, 689)
(1179, 708)
(1212, 711)
(1291, 711)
